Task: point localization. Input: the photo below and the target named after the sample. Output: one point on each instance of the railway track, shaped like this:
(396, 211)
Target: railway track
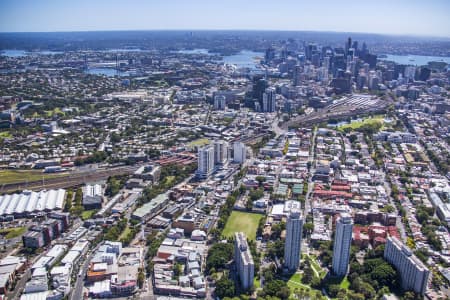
(71, 180)
(337, 113)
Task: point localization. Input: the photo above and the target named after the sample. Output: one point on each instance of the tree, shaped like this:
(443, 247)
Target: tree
(256, 194)
(277, 288)
(410, 295)
(333, 290)
(225, 287)
(219, 255)
(141, 278)
(384, 274)
(388, 208)
(308, 272)
(177, 270)
(364, 288)
(249, 204)
(260, 180)
(308, 228)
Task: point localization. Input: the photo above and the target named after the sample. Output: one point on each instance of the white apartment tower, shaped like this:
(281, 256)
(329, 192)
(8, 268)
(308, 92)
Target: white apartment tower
(205, 161)
(239, 152)
(292, 247)
(245, 266)
(220, 152)
(413, 273)
(342, 242)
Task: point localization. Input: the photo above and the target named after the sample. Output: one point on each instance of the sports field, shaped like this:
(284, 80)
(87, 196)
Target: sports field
(199, 142)
(244, 222)
(357, 124)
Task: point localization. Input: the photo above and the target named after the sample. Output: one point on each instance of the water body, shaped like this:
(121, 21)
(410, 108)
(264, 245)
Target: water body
(105, 71)
(13, 53)
(21, 53)
(244, 59)
(193, 51)
(125, 50)
(417, 60)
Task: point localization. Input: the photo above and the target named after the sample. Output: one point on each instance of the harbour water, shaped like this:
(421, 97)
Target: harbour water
(244, 59)
(110, 72)
(417, 60)
(19, 53)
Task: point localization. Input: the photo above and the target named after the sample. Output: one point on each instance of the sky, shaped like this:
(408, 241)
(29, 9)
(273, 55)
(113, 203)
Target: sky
(399, 17)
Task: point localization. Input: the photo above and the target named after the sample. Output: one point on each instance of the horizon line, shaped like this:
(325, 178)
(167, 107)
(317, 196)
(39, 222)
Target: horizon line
(236, 30)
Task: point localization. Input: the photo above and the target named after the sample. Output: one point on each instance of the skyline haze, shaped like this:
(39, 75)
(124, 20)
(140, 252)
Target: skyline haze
(382, 17)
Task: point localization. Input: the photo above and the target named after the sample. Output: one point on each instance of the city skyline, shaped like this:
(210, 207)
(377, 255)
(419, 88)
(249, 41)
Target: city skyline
(329, 16)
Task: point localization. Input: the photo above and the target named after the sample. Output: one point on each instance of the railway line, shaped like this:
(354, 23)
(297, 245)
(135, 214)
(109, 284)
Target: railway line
(355, 105)
(71, 180)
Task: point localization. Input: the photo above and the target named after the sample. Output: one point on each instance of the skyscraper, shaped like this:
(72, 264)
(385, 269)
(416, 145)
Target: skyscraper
(205, 161)
(220, 152)
(219, 102)
(259, 85)
(342, 241)
(292, 246)
(269, 100)
(296, 80)
(413, 273)
(245, 266)
(239, 152)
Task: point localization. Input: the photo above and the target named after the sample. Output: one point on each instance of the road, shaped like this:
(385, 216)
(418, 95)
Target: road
(77, 292)
(308, 206)
(277, 129)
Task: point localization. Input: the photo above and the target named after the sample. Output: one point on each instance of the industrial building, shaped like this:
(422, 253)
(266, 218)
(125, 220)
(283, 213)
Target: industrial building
(29, 202)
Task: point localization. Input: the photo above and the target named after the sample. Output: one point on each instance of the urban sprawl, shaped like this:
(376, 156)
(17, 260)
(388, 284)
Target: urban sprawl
(304, 171)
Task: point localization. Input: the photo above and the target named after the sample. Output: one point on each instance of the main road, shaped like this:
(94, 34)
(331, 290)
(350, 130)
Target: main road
(308, 206)
(77, 293)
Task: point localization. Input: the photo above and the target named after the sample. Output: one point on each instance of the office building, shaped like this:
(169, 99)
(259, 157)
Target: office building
(205, 161)
(297, 75)
(220, 152)
(269, 100)
(239, 152)
(245, 266)
(92, 196)
(292, 247)
(259, 86)
(413, 273)
(220, 102)
(342, 242)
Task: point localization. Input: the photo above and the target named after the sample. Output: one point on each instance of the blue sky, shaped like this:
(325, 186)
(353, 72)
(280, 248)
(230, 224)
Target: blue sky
(412, 17)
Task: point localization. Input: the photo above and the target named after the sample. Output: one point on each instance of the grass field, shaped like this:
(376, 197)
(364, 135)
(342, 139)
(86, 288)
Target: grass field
(57, 110)
(124, 233)
(199, 142)
(169, 180)
(295, 282)
(5, 134)
(345, 284)
(315, 265)
(256, 283)
(18, 176)
(87, 214)
(13, 232)
(357, 124)
(244, 222)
